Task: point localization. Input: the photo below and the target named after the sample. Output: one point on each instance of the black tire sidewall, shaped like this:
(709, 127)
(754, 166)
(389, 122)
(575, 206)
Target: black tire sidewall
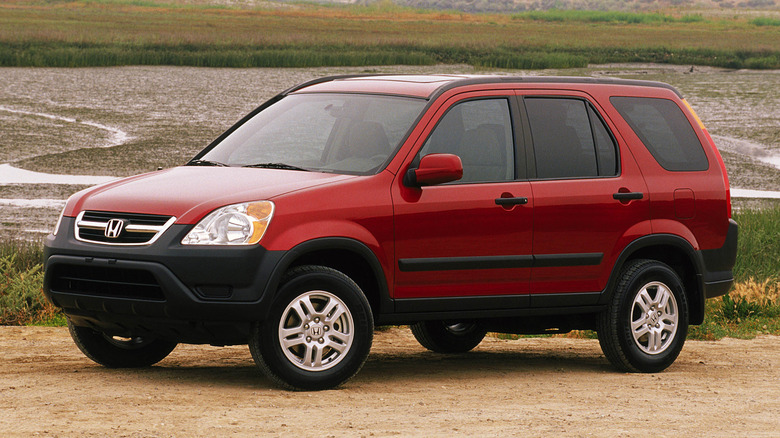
(338, 284)
(650, 272)
(435, 336)
(95, 346)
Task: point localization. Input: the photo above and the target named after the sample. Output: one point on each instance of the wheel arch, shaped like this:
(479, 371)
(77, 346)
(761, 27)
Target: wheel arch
(674, 251)
(349, 256)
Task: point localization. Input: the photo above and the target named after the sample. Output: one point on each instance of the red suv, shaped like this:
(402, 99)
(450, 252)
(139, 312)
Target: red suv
(457, 204)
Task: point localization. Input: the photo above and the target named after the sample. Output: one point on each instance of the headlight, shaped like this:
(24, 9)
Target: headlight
(238, 224)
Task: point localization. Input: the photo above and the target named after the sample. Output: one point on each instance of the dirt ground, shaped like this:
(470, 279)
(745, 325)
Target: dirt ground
(526, 387)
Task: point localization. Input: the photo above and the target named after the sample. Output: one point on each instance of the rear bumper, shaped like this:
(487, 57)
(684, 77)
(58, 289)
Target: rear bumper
(717, 274)
(184, 294)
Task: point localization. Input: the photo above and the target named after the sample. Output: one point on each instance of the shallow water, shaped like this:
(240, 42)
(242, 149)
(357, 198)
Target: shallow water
(66, 124)
(13, 175)
(758, 194)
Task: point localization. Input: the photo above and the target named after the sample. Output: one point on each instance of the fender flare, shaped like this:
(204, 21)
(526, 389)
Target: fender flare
(696, 297)
(328, 243)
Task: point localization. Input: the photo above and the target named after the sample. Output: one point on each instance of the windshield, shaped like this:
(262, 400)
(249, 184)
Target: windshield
(339, 133)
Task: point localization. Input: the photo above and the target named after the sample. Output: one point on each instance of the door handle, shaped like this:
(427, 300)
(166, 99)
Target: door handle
(627, 196)
(511, 201)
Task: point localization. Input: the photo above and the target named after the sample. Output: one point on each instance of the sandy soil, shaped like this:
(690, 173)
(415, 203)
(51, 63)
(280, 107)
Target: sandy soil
(527, 387)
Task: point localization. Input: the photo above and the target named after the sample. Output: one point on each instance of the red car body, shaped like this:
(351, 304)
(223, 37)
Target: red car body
(526, 254)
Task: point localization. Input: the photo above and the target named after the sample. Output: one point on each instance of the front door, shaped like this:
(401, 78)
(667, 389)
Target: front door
(471, 237)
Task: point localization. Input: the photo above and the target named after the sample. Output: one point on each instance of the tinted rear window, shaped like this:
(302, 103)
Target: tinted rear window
(665, 131)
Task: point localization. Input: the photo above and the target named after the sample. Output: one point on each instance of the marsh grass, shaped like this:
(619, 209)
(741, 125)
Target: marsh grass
(83, 33)
(758, 254)
(571, 15)
(21, 287)
(20, 255)
(765, 21)
(46, 54)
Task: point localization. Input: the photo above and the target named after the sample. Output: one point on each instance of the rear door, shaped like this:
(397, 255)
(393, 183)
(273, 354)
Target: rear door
(590, 199)
(456, 239)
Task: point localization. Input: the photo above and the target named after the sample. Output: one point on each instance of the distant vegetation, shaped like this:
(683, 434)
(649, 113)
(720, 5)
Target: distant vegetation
(607, 17)
(593, 5)
(765, 21)
(80, 33)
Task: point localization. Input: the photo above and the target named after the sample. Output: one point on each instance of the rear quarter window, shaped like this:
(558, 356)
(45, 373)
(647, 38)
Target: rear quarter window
(665, 132)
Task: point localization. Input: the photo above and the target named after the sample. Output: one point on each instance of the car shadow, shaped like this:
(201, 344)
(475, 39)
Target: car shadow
(381, 367)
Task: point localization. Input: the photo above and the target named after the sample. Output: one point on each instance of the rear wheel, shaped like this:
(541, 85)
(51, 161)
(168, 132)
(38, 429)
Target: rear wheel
(448, 336)
(644, 328)
(120, 352)
(319, 331)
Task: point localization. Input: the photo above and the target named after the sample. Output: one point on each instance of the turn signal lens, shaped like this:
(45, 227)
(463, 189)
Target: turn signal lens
(237, 224)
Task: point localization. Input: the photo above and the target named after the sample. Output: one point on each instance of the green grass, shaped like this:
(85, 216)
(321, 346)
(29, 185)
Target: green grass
(758, 254)
(584, 16)
(21, 293)
(200, 55)
(46, 54)
(54, 320)
(738, 317)
(765, 21)
(81, 33)
(22, 255)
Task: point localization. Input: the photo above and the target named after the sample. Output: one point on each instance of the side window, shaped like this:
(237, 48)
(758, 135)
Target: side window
(564, 143)
(665, 131)
(480, 133)
(605, 145)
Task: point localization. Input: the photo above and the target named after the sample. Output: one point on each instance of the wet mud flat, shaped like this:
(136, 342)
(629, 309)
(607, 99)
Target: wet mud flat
(122, 121)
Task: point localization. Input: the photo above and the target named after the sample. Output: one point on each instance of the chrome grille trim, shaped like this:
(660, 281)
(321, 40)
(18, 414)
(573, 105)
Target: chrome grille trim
(131, 228)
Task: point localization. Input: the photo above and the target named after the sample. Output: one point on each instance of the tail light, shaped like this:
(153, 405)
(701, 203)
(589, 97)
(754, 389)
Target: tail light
(717, 154)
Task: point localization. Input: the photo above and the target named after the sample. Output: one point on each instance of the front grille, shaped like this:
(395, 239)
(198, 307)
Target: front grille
(111, 228)
(106, 281)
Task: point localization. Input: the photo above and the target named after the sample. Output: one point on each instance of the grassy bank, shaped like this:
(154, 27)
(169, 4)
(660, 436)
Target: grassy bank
(21, 285)
(759, 245)
(82, 33)
(751, 308)
(63, 54)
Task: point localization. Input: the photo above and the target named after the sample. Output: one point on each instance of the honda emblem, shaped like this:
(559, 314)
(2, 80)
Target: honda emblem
(114, 228)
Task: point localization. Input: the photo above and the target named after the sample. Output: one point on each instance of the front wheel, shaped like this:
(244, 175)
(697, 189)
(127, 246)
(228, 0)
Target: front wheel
(448, 336)
(119, 352)
(644, 328)
(318, 333)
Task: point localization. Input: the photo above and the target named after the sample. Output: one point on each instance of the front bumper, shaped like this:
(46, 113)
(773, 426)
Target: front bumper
(181, 293)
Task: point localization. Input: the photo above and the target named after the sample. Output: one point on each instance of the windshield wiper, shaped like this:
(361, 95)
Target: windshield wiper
(206, 163)
(276, 166)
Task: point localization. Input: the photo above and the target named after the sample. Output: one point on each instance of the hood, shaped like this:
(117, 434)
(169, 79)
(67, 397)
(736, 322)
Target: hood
(191, 192)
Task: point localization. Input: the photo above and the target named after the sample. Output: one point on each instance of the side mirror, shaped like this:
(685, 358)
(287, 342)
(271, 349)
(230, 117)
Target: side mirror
(435, 169)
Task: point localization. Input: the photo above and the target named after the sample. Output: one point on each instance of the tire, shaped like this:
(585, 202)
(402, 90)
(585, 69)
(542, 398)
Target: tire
(116, 352)
(448, 336)
(644, 327)
(318, 333)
